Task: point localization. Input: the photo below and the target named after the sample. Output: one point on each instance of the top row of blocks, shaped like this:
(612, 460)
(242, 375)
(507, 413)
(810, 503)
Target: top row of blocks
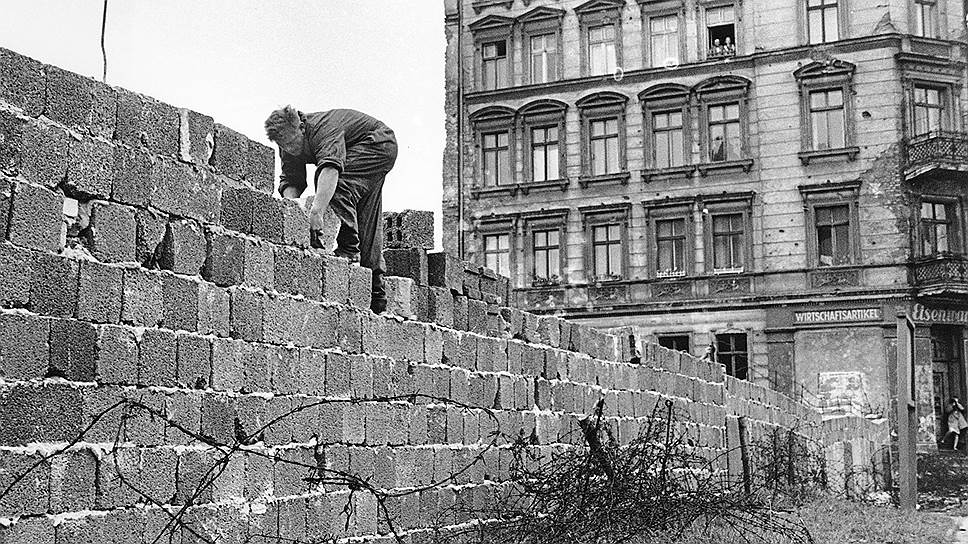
(91, 107)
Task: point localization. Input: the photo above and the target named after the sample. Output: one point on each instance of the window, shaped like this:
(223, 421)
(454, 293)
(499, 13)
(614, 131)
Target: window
(544, 154)
(926, 18)
(729, 242)
(546, 255)
(601, 49)
(544, 58)
(497, 253)
(733, 353)
(495, 63)
(827, 119)
(496, 159)
(833, 235)
(724, 132)
(935, 228)
(607, 251)
(664, 40)
(929, 110)
(668, 139)
(670, 242)
(721, 31)
(604, 147)
(822, 21)
(678, 342)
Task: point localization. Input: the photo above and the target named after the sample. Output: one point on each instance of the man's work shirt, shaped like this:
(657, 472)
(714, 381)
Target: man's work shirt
(335, 138)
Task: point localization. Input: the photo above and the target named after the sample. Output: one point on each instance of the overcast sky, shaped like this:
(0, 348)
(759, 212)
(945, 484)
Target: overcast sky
(236, 60)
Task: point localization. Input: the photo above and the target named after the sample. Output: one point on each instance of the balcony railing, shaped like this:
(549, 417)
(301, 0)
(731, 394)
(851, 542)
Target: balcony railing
(946, 271)
(937, 147)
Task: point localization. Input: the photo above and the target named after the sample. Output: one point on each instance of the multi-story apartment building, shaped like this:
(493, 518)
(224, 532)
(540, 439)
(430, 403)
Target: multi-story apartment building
(774, 178)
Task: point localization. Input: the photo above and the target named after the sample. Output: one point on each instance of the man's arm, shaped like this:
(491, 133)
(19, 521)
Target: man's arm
(327, 177)
(292, 181)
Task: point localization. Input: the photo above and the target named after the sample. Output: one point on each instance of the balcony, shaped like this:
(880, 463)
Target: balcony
(941, 276)
(937, 153)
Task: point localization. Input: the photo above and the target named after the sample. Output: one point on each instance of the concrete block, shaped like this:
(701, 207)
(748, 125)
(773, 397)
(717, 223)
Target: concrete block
(440, 305)
(183, 249)
(297, 272)
(129, 122)
(279, 421)
(196, 136)
(53, 286)
(260, 166)
(29, 496)
(401, 296)
(179, 302)
(161, 127)
(225, 264)
(407, 263)
(338, 375)
(149, 234)
(90, 168)
(236, 209)
(131, 181)
(116, 355)
(268, 218)
(99, 293)
(213, 310)
(69, 97)
(354, 424)
(185, 191)
(182, 417)
(36, 218)
(445, 270)
(37, 151)
(194, 361)
(460, 312)
(377, 423)
(193, 477)
(311, 372)
(218, 418)
(361, 376)
(229, 152)
(29, 530)
(228, 364)
(24, 352)
(320, 325)
(360, 286)
(283, 369)
(72, 481)
(73, 346)
(409, 229)
(157, 361)
(112, 233)
(6, 200)
(143, 300)
(247, 314)
(22, 82)
(258, 265)
(477, 316)
(46, 413)
(296, 223)
(350, 334)
(335, 278)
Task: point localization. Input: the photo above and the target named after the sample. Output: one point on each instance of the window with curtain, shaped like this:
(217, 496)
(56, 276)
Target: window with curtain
(729, 242)
(607, 250)
(544, 58)
(496, 159)
(833, 235)
(664, 40)
(935, 228)
(670, 247)
(604, 144)
(929, 110)
(546, 254)
(822, 21)
(724, 132)
(926, 18)
(601, 49)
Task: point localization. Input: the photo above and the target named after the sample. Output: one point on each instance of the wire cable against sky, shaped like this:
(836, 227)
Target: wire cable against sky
(104, 52)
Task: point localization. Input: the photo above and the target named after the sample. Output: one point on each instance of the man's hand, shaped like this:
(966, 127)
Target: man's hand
(316, 216)
(291, 192)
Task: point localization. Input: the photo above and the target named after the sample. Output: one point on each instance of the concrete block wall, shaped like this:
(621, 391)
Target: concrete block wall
(193, 359)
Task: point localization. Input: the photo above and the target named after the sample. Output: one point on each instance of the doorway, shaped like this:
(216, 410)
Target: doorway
(948, 365)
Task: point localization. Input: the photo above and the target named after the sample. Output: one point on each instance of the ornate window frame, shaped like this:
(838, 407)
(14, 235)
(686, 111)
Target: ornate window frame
(665, 98)
(664, 209)
(537, 22)
(722, 204)
(606, 214)
(956, 222)
(832, 74)
(489, 29)
(545, 220)
(651, 9)
(595, 107)
(721, 90)
(826, 195)
(493, 225)
(701, 22)
(596, 13)
(490, 120)
(544, 113)
(940, 16)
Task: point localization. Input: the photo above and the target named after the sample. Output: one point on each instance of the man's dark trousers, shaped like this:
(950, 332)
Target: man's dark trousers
(358, 203)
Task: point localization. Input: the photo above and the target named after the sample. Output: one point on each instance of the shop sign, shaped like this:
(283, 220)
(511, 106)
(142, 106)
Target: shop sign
(837, 316)
(923, 314)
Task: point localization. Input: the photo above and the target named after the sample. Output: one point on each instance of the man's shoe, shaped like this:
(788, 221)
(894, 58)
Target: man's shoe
(378, 306)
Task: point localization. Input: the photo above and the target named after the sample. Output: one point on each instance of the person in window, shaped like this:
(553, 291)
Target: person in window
(353, 152)
(717, 49)
(729, 48)
(719, 149)
(956, 422)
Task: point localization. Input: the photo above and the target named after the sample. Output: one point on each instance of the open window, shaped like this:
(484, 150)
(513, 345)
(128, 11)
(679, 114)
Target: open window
(721, 32)
(492, 43)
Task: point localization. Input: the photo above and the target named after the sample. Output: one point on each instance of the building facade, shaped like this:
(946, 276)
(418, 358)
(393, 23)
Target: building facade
(777, 179)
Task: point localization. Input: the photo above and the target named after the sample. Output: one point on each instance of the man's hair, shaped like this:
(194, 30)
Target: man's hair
(282, 121)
